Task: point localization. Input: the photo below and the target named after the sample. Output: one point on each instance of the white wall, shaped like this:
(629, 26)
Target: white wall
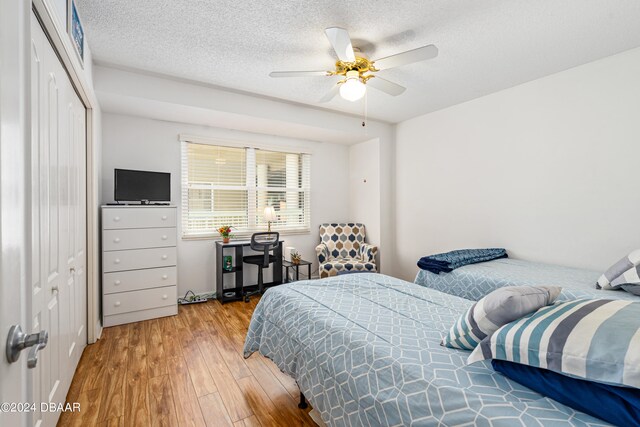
(140, 143)
(364, 187)
(546, 169)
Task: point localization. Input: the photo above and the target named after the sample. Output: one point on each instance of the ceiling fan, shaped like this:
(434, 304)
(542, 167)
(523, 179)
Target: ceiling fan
(358, 70)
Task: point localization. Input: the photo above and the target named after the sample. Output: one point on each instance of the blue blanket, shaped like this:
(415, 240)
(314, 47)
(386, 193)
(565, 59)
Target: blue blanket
(365, 350)
(449, 261)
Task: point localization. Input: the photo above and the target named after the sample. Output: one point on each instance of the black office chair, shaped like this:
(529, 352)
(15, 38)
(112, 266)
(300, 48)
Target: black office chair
(265, 243)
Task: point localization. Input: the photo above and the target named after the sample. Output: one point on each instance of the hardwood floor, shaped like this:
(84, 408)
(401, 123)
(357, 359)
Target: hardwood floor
(185, 370)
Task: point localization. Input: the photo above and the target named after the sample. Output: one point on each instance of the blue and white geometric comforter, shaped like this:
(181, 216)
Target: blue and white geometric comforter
(475, 281)
(365, 350)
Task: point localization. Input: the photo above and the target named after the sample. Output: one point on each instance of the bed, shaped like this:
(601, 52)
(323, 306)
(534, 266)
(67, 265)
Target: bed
(477, 280)
(365, 351)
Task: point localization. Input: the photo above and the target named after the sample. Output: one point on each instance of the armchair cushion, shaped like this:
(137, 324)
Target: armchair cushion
(322, 251)
(336, 266)
(368, 252)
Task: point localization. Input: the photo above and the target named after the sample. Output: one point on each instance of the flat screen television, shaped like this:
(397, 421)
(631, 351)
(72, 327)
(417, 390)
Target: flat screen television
(142, 186)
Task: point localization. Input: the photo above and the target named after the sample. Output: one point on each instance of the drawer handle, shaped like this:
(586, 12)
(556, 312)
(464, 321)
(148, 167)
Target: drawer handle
(116, 218)
(165, 296)
(117, 304)
(164, 237)
(164, 217)
(116, 240)
(164, 257)
(165, 277)
(116, 261)
(117, 282)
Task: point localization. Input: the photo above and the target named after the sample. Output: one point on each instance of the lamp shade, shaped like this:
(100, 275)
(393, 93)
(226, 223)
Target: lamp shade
(352, 89)
(270, 214)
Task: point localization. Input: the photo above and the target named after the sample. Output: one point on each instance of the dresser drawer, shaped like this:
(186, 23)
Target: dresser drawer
(138, 238)
(126, 302)
(142, 217)
(124, 281)
(135, 259)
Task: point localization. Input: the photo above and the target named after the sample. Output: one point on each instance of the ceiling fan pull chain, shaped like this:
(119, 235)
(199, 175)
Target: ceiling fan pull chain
(364, 118)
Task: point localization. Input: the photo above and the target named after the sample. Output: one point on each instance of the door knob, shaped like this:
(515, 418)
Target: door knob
(18, 341)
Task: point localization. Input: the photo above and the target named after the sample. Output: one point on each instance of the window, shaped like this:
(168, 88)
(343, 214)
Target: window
(232, 186)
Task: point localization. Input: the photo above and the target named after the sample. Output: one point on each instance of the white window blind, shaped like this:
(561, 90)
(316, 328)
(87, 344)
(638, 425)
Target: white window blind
(232, 186)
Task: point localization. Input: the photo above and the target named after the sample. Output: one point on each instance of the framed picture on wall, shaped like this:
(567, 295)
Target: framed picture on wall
(76, 32)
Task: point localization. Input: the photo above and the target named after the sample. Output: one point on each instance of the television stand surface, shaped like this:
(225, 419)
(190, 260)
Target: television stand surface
(140, 204)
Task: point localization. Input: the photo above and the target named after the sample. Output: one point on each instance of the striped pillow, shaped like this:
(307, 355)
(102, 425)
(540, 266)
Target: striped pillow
(595, 340)
(498, 308)
(624, 274)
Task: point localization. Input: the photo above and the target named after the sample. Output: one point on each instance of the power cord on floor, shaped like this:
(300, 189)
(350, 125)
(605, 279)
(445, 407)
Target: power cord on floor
(191, 298)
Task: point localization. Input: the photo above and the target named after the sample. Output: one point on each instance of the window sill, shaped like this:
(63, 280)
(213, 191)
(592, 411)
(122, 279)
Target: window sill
(243, 236)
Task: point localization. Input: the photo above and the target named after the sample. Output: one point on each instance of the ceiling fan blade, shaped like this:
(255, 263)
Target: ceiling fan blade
(331, 94)
(297, 73)
(341, 42)
(409, 57)
(386, 86)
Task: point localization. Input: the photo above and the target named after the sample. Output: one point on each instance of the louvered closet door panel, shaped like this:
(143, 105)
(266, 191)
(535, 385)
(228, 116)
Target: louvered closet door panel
(137, 238)
(140, 217)
(138, 258)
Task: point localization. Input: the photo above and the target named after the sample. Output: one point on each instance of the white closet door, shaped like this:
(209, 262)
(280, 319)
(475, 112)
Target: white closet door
(39, 286)
(58, 302)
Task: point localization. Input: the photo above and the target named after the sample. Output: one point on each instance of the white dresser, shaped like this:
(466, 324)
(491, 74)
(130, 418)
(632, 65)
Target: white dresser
(139, 263)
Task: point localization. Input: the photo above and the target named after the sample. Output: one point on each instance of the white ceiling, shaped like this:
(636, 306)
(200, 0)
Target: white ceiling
(485, 46)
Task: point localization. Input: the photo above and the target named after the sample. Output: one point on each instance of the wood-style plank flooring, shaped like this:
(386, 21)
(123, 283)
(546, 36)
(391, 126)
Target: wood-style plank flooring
(185, 370)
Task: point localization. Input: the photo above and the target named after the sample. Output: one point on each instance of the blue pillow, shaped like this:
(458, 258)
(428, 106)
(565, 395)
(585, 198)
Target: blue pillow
(617, 405)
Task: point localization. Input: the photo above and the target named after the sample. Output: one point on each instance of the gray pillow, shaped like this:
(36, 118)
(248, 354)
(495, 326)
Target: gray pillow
(624, 274)
(495, 310)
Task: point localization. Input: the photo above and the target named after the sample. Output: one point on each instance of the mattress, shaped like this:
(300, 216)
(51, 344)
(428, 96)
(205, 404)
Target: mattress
(477, 280)
(365, 351)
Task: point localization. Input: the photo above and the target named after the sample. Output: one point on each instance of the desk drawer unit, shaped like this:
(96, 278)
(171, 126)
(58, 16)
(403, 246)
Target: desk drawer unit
(139, 263)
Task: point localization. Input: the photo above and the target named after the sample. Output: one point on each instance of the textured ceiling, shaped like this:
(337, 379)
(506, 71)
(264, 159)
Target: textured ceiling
(485, 46)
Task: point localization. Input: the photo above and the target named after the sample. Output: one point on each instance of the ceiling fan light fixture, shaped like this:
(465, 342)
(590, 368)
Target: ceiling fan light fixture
(352, 89)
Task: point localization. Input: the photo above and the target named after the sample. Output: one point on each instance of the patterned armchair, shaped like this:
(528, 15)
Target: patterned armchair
(342, 248)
